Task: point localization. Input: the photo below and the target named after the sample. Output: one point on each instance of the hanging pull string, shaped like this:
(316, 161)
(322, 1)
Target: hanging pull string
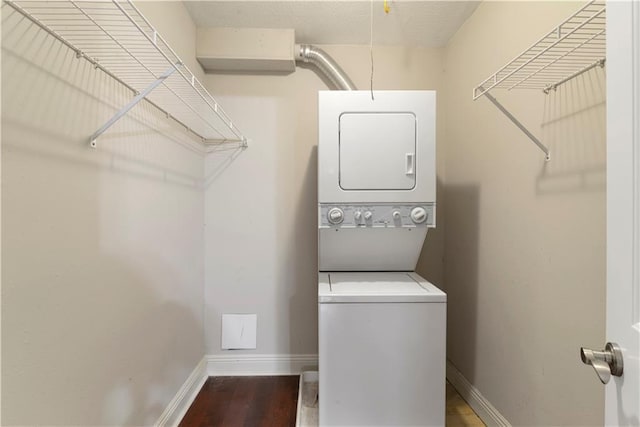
(371, 49)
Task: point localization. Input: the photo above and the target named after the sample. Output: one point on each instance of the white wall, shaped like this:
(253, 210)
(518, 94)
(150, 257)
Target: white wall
(261, 203)
(102, 312)
(525, 239)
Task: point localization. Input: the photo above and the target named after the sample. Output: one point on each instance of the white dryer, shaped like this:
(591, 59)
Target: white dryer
(376, 179)
(380, 150)
(381, 326)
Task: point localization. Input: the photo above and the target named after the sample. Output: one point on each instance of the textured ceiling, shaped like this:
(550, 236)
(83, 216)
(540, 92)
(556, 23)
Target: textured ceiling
(413, 23)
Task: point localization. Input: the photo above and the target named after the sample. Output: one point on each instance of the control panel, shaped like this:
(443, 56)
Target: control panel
(376, 216)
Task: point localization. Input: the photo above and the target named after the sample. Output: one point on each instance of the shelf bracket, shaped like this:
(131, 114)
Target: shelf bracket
(516, 122)
(124, 110)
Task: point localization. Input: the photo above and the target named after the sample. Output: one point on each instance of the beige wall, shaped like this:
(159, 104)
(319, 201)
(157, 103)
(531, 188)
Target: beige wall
(102, 249)
(525, 239)
(173, 22)
(103, 266)
(261, 203)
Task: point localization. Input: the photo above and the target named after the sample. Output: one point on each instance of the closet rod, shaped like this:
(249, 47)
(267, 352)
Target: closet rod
(600, 63)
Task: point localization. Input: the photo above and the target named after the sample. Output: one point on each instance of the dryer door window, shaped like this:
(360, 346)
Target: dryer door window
(377, 151)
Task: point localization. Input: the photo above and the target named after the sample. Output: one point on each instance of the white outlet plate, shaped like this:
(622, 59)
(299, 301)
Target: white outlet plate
(239, 331)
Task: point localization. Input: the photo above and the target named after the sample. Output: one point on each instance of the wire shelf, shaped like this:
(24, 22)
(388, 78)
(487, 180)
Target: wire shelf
(572, 48)
(116, 38)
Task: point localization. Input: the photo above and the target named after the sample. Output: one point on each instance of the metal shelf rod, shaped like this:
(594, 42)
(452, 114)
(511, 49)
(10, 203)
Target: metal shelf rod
(554, 86)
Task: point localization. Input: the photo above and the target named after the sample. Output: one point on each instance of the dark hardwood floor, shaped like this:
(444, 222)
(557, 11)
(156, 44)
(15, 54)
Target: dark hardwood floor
(245, 401)
(272, 402)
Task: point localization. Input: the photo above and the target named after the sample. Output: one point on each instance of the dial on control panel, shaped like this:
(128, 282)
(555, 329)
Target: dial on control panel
(376, 216)
(335, 216)
(418, 215)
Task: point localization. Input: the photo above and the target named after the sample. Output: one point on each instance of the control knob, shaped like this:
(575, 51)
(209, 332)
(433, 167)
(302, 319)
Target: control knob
(367, 215)
(335, 215)
(396, 215)
(418, 215)
(357, 216)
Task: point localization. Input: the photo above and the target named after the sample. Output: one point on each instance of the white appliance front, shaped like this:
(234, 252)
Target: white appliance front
(381, 350)
(376, 151)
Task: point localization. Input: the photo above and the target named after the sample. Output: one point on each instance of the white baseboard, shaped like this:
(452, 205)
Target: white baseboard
(220, 365)
(485, 410)
(183, 399)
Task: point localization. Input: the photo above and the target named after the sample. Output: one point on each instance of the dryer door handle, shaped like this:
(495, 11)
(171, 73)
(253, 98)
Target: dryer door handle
(410, 163)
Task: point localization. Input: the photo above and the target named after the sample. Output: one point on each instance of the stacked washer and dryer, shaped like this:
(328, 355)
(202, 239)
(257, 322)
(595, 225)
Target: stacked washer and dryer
(381, 325)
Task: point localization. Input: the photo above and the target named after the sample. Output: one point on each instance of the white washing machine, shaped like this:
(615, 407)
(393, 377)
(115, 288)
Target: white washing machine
(382, 350)
(381, 326)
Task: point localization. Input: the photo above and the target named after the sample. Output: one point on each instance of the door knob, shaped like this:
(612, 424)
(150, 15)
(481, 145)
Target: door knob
(606, 362)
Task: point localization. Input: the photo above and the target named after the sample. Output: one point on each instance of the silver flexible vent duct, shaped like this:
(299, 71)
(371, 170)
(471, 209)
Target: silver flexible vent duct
(326, 65)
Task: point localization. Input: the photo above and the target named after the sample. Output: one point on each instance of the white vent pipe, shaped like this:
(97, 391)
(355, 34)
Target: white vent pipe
(325, 63)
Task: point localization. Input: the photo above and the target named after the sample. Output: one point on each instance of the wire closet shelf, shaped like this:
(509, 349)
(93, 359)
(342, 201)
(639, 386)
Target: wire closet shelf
(117, 39)
(570, 49)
